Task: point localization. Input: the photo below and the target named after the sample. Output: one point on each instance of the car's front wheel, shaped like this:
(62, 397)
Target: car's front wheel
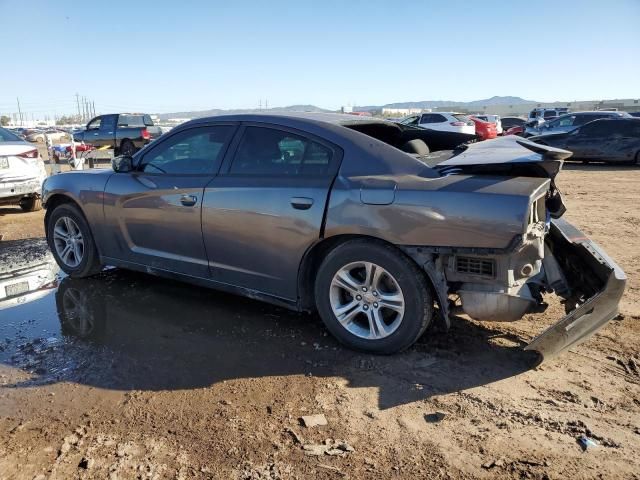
(372, 297)
(71, 241)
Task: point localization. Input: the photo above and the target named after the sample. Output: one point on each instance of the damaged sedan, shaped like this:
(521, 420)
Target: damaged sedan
(330, 213)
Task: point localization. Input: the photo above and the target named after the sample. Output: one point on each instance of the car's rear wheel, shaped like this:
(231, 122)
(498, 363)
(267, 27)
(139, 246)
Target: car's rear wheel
(71, 241)
(127, 148)
(31, 204)
(372, 297)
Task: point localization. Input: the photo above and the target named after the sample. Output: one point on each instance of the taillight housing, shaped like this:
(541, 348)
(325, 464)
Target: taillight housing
(458, 124)
(28, 154)
(145, 134)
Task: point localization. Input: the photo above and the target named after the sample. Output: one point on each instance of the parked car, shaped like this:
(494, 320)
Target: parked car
(21, 172)
(508, 122)
(570, 121)
(634, 114)
(607, 140)
(54, 134)
(484, 130)
(547, 113)
(318, 212)
(445, 121)
(495, 119)
(126, 133)
(515, 130)
(25, 278)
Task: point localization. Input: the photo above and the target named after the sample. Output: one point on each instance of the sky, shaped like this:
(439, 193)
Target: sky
(166, 56)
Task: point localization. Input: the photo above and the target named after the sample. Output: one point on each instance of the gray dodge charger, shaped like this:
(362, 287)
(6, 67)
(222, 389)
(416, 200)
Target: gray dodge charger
(347, 216)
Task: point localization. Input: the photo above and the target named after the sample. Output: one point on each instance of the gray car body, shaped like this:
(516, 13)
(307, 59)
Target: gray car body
(378, 191)
(246, 234)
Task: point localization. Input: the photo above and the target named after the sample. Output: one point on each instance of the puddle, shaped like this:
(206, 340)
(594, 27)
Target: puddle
(131, 331)
(127, 330)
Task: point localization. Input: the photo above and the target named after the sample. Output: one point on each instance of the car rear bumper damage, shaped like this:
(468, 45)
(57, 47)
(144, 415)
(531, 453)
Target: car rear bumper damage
(15, 189)
(594, 284)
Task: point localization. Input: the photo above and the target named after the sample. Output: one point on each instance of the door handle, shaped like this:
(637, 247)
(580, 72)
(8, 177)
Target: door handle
(188, 200)
(301, 203)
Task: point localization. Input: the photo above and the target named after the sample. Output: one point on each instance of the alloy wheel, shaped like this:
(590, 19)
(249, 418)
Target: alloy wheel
(367, 300)
(68, 241)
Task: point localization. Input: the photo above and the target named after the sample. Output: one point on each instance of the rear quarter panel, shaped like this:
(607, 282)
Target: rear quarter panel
(455, 211)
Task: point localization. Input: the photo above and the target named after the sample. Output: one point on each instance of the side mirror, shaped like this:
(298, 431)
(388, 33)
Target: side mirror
(122, 164)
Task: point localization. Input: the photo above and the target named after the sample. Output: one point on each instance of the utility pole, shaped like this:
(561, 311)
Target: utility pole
(78, 103)
(19, 111)
(93, 103)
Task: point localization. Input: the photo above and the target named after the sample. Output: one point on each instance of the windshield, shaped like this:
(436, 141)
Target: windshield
(7, 136)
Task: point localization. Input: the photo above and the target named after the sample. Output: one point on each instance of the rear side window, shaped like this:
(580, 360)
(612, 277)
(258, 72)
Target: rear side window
(197, 151)
(462, 118)
(434, 118)
(133, 121)
(600, 128)
(268, 151)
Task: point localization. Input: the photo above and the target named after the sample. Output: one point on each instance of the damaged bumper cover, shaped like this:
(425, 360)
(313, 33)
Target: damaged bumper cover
(597, 284)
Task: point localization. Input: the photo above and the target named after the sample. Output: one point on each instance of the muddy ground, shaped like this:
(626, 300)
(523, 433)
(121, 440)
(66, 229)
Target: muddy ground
(129, 376)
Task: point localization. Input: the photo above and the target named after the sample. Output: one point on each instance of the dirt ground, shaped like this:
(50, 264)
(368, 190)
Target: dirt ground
(154, 379)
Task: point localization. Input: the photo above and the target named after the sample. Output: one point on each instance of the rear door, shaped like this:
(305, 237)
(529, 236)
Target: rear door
(153, 214)
(587, 142)
(261, 215)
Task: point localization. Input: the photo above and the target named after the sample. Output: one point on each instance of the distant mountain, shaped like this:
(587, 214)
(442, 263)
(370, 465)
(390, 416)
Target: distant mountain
(447, 103)
(424, 104)
(217, 111)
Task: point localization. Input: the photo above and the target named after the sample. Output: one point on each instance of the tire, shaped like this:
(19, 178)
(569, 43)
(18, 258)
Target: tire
(127, 147)
(82, 260)
(391, 266)
(31, 204)
(81, 309)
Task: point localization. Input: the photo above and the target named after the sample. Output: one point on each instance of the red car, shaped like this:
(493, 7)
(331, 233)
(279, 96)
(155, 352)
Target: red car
(485, 130)
(517, 130)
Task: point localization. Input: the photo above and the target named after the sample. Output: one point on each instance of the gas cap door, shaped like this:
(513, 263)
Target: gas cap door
(374, 191)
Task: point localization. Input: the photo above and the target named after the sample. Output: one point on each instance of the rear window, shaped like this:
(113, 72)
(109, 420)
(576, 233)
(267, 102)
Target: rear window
(7, 136)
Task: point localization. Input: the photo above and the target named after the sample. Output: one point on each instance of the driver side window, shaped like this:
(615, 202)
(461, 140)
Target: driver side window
(95, 124)
(196, 151)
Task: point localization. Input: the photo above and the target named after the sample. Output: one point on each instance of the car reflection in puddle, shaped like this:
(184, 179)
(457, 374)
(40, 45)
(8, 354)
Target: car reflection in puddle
(125, 330)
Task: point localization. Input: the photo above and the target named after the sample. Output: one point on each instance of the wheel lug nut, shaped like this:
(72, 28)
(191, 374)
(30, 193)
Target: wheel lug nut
(358, 297)
(364, 289)
(366, 307)
(375, 305)
(375, 294)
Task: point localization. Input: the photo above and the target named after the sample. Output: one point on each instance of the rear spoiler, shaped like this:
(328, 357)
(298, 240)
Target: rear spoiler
(547, 152)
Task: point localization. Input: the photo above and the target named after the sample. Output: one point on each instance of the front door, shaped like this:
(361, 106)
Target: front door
(261, 215)
(153, 214)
